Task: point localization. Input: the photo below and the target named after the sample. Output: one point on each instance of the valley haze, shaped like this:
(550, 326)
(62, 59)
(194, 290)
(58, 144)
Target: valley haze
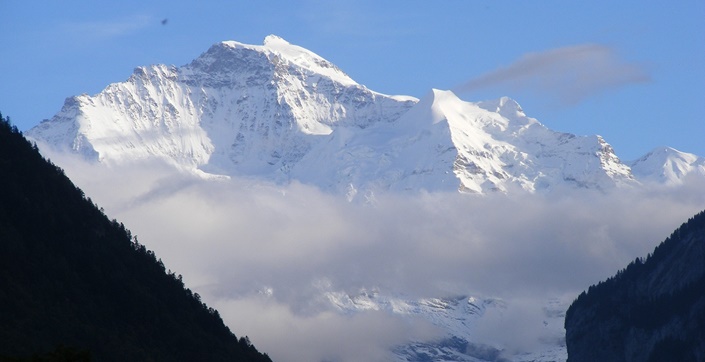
(242, 171)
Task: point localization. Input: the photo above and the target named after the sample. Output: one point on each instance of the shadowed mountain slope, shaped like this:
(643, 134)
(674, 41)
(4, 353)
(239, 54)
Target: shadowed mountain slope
(71, 277)
(654, 310)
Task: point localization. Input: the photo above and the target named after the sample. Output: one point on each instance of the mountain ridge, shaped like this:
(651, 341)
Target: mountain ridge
(278, 111)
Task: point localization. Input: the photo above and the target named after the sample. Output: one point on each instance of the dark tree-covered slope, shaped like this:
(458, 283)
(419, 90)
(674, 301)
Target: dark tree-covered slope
(73, 280)
(654, 310)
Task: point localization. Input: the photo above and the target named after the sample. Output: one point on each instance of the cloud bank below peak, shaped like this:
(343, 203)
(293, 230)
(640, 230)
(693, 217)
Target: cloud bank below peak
(259, 252)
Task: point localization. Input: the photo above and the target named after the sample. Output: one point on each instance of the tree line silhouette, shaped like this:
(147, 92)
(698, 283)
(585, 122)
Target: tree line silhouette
(75, 283)
(651, 299)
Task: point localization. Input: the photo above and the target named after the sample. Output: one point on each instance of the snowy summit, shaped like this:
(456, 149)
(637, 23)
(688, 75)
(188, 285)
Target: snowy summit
(281, 112)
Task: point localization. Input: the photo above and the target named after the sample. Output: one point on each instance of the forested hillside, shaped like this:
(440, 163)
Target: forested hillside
(654, 310)
(75, 283)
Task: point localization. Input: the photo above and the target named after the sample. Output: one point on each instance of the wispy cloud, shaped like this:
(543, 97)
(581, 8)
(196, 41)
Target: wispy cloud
(565, 75)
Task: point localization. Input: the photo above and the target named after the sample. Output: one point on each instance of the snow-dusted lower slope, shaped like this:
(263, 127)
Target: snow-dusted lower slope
(460, 319)
(280, 112)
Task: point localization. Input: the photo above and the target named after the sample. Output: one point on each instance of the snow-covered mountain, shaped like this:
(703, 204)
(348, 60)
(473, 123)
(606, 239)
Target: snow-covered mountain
(236, 110)
(283, 113)
(666, 165)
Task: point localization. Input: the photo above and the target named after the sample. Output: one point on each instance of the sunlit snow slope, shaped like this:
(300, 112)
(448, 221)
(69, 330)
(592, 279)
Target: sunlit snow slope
(666, 165)
(282, 113)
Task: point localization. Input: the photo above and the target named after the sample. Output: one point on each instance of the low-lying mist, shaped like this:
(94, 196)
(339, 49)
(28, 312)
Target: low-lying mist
(262, 254)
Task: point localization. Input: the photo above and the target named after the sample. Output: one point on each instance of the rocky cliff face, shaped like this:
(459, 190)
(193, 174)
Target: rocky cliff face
(654, 310)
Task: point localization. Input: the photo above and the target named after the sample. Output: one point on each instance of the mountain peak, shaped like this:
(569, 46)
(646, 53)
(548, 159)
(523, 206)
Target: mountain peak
(667, 165)
(665, 151)
(272, 39)
(505, 106)
(281, 112)
(279, 52)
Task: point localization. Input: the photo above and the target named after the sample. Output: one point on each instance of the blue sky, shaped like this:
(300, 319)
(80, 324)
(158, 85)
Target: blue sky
(631, 71)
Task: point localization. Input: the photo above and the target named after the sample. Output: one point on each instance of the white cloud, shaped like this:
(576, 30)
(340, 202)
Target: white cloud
(324, 336)
(565, 75)
(233, 238)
